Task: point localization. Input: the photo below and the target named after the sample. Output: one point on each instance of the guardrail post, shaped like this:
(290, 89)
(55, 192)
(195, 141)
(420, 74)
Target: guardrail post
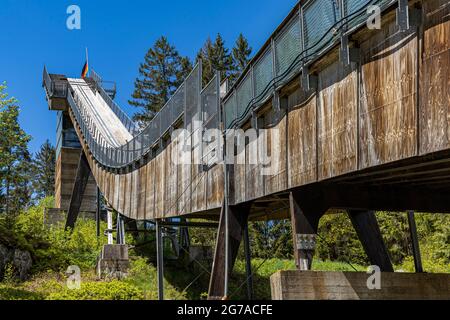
(403, 15)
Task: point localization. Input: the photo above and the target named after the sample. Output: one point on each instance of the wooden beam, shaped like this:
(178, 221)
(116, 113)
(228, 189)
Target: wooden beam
(366, 226)
(237, 221)
(79, 188)
(366, 197)
(305, 223)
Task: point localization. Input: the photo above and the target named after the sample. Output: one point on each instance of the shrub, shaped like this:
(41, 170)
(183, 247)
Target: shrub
(143, 275)
(54, 248)
(113, 290)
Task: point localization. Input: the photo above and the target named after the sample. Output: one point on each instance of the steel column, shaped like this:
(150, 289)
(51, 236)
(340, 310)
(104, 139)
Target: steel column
(415, 242)
(98, 212)
(248, 263)
(160, 260)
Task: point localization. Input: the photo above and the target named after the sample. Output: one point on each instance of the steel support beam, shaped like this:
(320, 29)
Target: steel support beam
(224, 259)
(366, 226)
(98, 212)
(160, 260)
(248, 263)
(415, 242)
(79, 187)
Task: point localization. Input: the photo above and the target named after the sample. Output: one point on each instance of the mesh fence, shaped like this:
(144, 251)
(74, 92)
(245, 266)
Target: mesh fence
(354, 7)
(230, 110)
(193, 86)
(288, 46)
(166, 117)
(178, 104)
(263, 72)
(318, 17)
(243, 95)
(210, 105)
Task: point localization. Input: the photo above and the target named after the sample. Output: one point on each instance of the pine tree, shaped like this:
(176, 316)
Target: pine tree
(241, 57)
(271, 239)
(215, 57)
(44, 171)
(15, 162)
(161, 73)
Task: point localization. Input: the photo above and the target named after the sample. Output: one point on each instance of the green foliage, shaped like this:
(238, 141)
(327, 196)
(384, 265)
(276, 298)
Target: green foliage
(15, 160)
(338, 240)
(143, 275)
(8, 292)
(241, 57)
(53, 248)
(434, 236)
(161, 73)
(215, 57)
(92, 290)
(271, 239)
(431, 266)
(44, 171)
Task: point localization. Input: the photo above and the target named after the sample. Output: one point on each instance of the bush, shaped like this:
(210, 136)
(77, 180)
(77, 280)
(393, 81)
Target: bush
(143, 275)
(113, 290)
(53, 248)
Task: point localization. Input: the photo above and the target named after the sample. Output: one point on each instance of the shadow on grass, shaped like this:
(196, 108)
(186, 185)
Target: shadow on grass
(11, 293)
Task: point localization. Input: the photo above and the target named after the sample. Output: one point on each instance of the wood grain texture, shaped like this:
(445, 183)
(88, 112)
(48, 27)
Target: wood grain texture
(337, 125)
(302, 159)
(435, 77)
(393, 105)
(388, 96)
(275, 171)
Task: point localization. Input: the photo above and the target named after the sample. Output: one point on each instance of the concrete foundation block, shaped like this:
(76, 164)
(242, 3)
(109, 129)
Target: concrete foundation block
(310, 285)
(113, 262)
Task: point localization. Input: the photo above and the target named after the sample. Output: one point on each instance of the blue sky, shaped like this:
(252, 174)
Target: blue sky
(118, 34)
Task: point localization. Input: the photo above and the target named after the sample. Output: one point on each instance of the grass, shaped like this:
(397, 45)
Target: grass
(189, 282)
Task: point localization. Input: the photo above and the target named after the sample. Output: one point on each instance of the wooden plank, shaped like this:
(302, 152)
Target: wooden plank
(214, 187)
(254, 180)
(141, 199)
(302, 161)
(170, 206)
(337, 114)
(238, 172)
(184, 188)
(198, 177)
(116, 182)
(388, 96)
(435, 78)
(275, 175)
(159, 185)
(150, 191)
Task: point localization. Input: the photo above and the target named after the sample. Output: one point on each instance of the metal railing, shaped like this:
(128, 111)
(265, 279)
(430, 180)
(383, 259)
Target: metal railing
(317, 27)
(187, 103)
(123, 117)
(286, 57)
(54, 89)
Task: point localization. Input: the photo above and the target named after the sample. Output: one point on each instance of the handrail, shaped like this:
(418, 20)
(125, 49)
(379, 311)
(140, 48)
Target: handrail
(122, 156)
(305, 57)
(123, 117)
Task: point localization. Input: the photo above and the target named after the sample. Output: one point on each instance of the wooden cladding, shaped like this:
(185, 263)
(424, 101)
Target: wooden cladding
(435, 80)
(392, 105)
